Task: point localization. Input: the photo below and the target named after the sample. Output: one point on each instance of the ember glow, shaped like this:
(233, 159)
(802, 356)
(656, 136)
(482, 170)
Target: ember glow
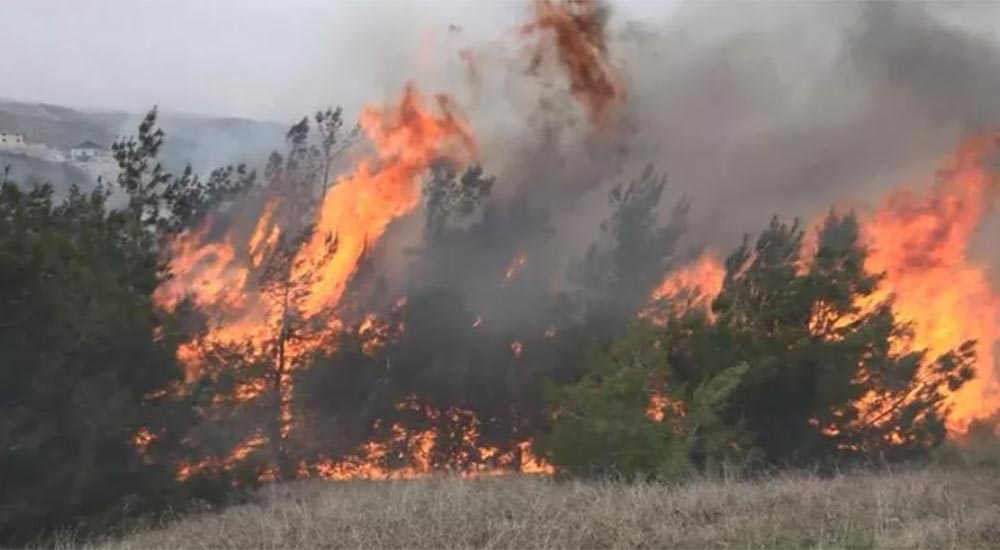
(408, 453)
(235, 457)
(226, 270)
(516, 266)
(517, 348)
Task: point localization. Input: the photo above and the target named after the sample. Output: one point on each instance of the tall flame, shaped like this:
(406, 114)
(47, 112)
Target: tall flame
(921, 243)
(357, 210)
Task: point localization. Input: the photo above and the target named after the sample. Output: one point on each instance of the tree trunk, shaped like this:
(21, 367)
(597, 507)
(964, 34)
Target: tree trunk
(279, 452)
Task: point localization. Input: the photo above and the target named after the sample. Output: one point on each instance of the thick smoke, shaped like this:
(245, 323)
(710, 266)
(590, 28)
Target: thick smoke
(751, 109)
(758, 109)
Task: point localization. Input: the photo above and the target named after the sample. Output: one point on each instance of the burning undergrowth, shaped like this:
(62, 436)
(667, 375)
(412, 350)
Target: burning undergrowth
(311, 357)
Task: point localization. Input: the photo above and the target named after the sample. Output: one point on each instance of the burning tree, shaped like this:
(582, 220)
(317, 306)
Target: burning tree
(286, 350)
(799, 361)
(823, 355)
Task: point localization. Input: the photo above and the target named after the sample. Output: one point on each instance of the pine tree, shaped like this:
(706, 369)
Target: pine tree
(617, 274)
(830, 369)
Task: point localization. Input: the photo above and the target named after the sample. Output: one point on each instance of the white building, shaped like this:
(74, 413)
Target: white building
(13, 143)
(10, 139)
(88, 151)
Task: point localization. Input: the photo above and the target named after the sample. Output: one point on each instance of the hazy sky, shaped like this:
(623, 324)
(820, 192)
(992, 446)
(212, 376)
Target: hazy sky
(272, 59)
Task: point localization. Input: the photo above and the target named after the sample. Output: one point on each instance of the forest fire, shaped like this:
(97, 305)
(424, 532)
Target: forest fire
(253, 292)
(202, 271)
(281, 289)
(274, 289)
(920, 242)
(606, 244)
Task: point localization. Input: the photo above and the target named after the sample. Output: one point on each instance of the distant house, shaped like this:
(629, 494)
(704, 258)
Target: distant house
(10, 139)
(87, 151)
(12, 143)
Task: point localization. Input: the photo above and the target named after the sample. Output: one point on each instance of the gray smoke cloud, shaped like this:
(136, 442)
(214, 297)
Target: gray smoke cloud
(757, 109)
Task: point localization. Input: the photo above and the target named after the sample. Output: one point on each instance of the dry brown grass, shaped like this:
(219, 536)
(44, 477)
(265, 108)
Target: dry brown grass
(926, 508)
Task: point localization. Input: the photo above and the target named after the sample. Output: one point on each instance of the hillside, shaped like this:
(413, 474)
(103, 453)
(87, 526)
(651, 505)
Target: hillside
(204, 142)
(920, 508)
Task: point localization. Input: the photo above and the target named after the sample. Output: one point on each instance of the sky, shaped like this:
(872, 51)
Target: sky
(264, 59)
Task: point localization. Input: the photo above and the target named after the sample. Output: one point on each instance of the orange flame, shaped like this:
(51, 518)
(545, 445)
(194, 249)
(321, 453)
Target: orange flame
(417, 450)
(358, 209)
(921, 244)
(265, 234)
(576, 29)
(237, 455)
(203, 271)
(661, 407)
(692, 285)
(142, 439)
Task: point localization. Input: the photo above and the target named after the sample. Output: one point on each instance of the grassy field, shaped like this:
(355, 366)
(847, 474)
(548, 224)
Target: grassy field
(909, 509)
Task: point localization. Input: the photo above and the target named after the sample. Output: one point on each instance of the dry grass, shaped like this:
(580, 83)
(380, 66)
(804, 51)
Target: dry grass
(925, 508)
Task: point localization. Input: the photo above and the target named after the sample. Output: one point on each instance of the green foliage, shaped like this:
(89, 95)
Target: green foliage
(449, 199)
(303, 173)
(189, 198)
(604, 424)
(601, 426)
(86, 362)
(637, 250)
(78, 358)
(799, 361)
(140, 175)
